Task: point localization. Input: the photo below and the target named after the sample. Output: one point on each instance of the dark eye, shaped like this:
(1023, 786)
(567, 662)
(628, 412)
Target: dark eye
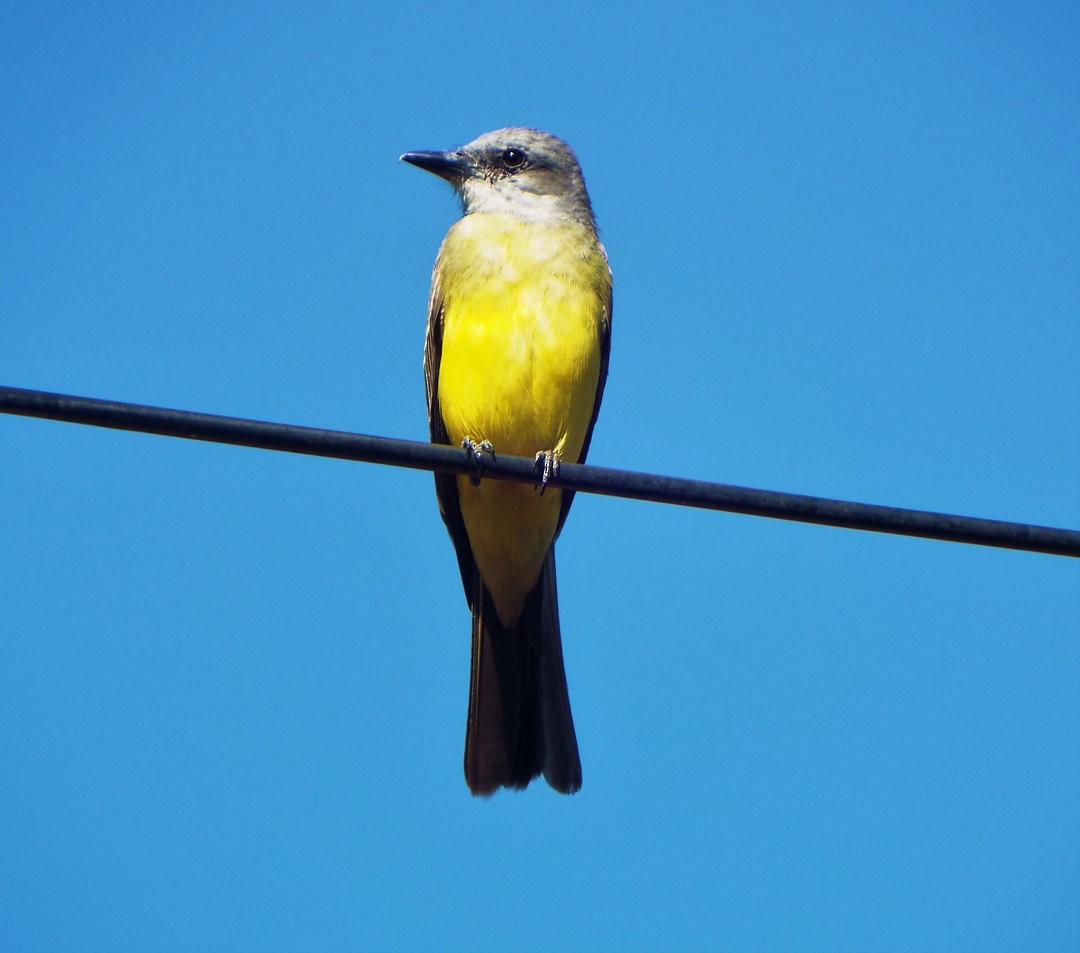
(513, 159)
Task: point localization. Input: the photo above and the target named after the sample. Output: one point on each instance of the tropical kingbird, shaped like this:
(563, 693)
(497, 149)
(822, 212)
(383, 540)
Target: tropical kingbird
(518, 333)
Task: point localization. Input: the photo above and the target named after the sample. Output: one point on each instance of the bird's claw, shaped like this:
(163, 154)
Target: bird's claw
(546, 466)
(476, 451)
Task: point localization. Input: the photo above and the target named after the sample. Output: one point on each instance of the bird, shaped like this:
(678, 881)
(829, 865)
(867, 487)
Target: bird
(515, 362)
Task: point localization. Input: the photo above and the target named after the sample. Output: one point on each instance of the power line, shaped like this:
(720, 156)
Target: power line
(585, 478)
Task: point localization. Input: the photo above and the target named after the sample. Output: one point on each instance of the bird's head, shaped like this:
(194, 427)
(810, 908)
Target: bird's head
(520, 171)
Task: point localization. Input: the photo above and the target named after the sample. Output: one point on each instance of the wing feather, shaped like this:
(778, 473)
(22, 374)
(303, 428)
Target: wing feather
(446, 489)
(601, 380)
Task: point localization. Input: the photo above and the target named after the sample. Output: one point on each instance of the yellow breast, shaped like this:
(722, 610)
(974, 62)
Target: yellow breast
(524, 306)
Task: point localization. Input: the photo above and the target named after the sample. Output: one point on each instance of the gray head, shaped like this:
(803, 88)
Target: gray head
(524, 172)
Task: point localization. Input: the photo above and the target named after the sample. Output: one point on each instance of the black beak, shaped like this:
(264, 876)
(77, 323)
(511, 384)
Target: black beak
(452, 166)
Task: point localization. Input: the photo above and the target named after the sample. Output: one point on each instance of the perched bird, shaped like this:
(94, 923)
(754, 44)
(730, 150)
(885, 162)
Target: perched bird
(518, 334)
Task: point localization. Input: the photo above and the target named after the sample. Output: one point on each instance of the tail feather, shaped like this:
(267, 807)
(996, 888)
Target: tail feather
(519, 724)
(561, 762)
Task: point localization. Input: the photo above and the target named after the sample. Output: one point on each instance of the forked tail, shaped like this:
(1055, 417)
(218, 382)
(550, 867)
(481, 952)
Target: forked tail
(520, 725)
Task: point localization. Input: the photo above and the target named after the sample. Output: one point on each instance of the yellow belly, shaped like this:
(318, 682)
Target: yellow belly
(524, 304)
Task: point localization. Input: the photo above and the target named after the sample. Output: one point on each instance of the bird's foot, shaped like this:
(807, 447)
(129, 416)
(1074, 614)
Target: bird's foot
(546, 466)
(475, 451)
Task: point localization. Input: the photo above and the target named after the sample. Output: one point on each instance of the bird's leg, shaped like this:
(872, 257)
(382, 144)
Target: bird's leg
(546, 466)
(476, 452)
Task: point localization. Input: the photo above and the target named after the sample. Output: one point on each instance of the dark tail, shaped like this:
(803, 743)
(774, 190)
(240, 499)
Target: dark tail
(520, 724)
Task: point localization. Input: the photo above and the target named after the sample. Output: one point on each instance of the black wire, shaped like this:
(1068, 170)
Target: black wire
(589, 479)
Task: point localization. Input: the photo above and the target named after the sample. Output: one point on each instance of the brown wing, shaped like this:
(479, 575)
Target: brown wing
(601, 380)
(445, 483)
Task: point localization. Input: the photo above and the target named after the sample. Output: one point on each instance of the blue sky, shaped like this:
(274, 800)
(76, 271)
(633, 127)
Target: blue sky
(846, 248)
